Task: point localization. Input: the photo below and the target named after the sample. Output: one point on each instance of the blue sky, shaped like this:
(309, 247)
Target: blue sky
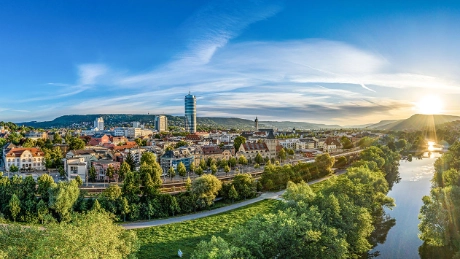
(337, 62)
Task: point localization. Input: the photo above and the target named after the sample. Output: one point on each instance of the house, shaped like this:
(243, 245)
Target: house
(215, 152)
(331, 145)
(24, 158)
(99, 140)
(101, 167)
(250, 150)
(76, 167)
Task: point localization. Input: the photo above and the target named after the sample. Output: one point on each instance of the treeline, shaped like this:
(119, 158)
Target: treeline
(335, 222)
(440, 213)
(44, 201)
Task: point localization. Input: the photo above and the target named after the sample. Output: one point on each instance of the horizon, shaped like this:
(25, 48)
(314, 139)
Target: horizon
(262, 120)
(329, 63)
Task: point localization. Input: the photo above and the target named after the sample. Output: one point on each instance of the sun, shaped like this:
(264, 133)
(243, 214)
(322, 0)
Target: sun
(429, 105)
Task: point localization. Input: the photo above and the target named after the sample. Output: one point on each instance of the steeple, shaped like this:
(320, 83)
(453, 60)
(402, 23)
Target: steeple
(256, 124)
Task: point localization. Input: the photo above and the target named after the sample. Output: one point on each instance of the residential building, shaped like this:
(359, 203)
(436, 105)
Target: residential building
(99, 124)
(24, 158)
(215, 152)
(190, 113)
(99, 140)
(250, 150)
(34, 135)
(161, 123)
(174, 157)
(76, 167)
(101, 167)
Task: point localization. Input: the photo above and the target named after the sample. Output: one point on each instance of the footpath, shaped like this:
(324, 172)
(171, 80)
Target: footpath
(263, 196)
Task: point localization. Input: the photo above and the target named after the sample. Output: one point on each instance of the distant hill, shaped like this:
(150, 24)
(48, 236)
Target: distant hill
(415, 122)
(86, 121)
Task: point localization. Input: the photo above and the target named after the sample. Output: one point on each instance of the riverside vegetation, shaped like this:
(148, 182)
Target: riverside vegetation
(440, 213)
(62, 206)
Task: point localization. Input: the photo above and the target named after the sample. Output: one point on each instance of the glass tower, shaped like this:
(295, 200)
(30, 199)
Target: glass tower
(190, 113)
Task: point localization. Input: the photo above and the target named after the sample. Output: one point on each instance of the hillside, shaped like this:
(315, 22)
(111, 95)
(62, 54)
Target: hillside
(415, 122)
(111, 120)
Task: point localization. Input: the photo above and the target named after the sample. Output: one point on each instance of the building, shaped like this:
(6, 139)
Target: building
(161, 123)
(136, 124)
(76, 167)
(174, 157)
(190, 113)
(99, 124)
(250, 150)
(216, 152)
(35, 135)
(101, 167)
(272, 143)
(256, 124)
(24, 158)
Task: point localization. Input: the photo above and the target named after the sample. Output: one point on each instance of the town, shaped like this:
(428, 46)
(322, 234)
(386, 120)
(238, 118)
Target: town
(95, 155)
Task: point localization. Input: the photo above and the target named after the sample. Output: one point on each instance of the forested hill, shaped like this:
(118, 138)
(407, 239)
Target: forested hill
(415, 122)
(86, 121)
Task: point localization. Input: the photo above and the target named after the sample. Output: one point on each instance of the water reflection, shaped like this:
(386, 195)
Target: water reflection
(396, 231)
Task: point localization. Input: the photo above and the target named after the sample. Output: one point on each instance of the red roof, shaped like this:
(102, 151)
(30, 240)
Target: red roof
(17, 152)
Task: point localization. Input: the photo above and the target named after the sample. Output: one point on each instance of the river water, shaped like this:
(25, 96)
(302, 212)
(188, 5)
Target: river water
(415, 181)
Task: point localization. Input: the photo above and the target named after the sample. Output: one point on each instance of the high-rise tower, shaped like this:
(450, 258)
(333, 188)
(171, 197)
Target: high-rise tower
(190, 113)
(161, 123)
(99, 123)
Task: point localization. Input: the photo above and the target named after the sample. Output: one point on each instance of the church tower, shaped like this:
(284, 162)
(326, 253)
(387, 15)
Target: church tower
(256, 124)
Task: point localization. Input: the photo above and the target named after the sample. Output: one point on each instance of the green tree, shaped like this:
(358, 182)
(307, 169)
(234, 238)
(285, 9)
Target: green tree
(45, 183)
(124, 169)
(76, 143)
(131, 188)
(63, 197)
(259, 159)
(92, 173)
(124, 207)
(42, 210)
(213, 169)
(57, 138)
(174, 206)
(206, 188)
(79, 180)
(14, 206)
(29, 143)
(324, 163)
(365, 142)
(192, 166)
(346, 143)
(232, 162)
(171, 172)
(242, 160)
(282, 154)
(341, 162)
(199, 171)
(110, 171)
(188, 184)
(149, 158)
(203, 164)
(238, 142)
(181, 169)
(217, 247)
(244, 185)
(232, 193)
(14, 168)
(130, 160)
(226, 169)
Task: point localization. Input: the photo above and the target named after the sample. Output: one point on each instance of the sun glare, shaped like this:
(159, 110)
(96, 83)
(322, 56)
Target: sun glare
(429, 105)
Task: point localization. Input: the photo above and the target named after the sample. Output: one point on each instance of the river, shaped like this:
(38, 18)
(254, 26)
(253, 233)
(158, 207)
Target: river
(415, 181)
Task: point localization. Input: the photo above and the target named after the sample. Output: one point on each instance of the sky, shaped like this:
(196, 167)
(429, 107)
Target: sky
(333, 62)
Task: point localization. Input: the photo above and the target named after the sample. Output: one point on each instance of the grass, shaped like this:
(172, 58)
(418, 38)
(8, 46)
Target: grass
(165, 241)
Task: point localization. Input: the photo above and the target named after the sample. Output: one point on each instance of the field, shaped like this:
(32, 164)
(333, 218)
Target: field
(165, 241)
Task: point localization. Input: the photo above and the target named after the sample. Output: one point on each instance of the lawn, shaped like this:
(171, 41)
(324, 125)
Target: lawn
(165, 241)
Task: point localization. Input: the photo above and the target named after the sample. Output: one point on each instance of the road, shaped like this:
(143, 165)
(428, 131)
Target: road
(264, 196)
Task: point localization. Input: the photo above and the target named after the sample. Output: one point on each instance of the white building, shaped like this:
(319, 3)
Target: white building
(161, 123)
(99, 124)
(76, 167)
(24, 158)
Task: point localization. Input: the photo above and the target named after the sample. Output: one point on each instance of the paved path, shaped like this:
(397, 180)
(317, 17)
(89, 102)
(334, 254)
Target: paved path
(267, 195)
